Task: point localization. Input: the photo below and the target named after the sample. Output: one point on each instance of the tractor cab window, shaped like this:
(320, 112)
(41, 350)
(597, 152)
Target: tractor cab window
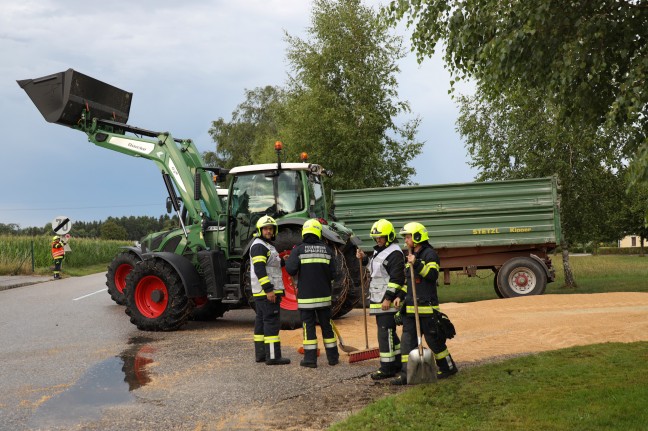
(318, 203)
(255, 194)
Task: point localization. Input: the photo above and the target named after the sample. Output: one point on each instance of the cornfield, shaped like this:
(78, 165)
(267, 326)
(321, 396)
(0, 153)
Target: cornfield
(16, 253)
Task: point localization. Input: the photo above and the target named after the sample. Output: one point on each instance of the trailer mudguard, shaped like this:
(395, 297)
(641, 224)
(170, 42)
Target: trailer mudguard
(551, 275)
(193, 284)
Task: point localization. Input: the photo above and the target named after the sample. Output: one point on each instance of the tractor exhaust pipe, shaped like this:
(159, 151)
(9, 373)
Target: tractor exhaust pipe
(63, 97)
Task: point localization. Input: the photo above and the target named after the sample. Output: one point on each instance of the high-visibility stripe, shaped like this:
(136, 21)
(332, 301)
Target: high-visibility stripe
(442, 354)
(271, 339)
(264, 280)
(259, 259)
(427, 267)
(315, 260)
(315, 255)
(393, 285)
(404, 358)
(258, 337)
(423, 309)
(263, 293)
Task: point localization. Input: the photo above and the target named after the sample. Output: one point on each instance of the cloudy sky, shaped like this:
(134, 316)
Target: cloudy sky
(187, 64)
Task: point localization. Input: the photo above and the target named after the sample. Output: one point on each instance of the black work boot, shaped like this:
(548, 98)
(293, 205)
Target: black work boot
(310, 359)
(333, 355)
(259, 351)
(446, 367)
(273, 355)
(381, 375)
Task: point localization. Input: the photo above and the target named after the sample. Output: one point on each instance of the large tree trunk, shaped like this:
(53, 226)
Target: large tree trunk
(570, 282)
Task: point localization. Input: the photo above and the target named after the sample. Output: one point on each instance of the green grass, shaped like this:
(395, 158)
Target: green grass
(87, 255)
(593, 274)
(596, 387)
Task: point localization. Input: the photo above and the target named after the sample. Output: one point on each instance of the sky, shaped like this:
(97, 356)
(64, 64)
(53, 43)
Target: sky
(187, 64)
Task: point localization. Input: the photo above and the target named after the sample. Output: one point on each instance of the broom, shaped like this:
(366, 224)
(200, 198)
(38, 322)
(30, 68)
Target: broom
(363, 355)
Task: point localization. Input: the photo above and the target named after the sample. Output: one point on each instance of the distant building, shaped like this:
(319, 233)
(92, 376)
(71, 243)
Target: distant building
(632, 241)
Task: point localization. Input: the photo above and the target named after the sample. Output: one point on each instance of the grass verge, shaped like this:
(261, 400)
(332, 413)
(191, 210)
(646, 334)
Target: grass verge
(596, 387)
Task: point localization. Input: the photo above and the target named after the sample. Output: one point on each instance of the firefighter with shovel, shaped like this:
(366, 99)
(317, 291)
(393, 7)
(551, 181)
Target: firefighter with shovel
(421, 302)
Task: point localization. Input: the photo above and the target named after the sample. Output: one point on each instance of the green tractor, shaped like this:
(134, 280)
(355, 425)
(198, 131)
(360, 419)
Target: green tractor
(201, 269)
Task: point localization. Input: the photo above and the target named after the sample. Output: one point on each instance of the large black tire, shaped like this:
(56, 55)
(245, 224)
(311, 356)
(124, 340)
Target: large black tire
(118, 270)
(496, 286)
(205, 310)
(521, 276)
(353, 274)
(155, 297)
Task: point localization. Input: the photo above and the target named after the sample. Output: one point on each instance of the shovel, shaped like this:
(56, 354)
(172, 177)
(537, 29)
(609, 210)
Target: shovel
(420, 366)
(345, 348)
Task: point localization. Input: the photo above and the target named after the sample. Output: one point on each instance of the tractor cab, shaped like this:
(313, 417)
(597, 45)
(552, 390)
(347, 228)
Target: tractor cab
(282, 191)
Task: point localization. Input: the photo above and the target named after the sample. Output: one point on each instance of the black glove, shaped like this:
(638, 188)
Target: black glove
(398, 318)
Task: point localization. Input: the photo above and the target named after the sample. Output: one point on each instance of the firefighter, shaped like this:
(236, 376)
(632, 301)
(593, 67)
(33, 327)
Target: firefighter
(58, 254)
(268, 289)
(425, 261)
(386, 268)
(314, 264)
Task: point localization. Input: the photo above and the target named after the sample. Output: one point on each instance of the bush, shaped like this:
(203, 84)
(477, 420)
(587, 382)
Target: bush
(619, 250)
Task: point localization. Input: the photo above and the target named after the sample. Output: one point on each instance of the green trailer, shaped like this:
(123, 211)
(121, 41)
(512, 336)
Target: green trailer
(510, 227)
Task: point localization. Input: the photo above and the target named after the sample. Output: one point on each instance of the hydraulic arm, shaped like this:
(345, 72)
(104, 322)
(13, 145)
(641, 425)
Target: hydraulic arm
(101, 111)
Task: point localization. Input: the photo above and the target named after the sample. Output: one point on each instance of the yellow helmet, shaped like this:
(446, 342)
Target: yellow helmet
(56, 238)
(267, 221)
(383, 228)
(417, 230)
(312, 226)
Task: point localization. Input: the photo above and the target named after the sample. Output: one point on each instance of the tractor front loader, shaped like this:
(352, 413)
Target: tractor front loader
(200, 269)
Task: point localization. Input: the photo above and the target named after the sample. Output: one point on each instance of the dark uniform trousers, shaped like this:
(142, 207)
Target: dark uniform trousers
(388, 343)
(436, 342)
(266, 329)
(310, 317)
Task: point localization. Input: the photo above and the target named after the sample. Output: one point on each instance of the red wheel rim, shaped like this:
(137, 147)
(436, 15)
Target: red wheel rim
(120, 276)
(151, 296)
(289, 301)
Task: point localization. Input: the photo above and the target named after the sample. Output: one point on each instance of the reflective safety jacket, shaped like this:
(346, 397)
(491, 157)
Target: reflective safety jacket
(58, 250)
(387, 277)
(314, 264)
(426, 271)
(265, 269)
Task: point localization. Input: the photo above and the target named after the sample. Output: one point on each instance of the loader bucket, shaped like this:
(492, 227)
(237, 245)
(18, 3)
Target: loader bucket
(62, 97)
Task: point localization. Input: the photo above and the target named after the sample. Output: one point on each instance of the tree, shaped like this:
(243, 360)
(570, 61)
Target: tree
(253, 126)
(111, 230)
(588, 59)
(341, 101)
(518, 136)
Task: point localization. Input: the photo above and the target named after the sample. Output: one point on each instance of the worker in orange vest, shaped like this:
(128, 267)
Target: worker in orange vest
(58, 254)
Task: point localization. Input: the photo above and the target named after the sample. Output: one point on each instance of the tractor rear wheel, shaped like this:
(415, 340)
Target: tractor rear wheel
(118, 270)
(155, 297)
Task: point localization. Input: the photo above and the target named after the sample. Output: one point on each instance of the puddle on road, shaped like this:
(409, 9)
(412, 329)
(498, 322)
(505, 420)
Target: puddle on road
(105, 384)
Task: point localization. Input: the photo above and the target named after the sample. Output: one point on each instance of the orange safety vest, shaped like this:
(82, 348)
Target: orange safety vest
(58, 251)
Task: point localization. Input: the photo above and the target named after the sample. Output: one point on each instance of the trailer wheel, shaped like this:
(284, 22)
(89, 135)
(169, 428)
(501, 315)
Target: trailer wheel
(118, 270)
(495, 286)
(155, 297)
(206, 310)
(521, 276)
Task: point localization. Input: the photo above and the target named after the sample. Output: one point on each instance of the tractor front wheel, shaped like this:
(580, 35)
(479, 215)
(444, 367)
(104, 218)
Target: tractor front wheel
(155, 297)
(118, 270)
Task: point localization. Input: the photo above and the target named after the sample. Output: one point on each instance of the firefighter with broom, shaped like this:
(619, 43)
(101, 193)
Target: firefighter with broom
(313, 262)
(425, 262)
(386, 268)
(267, 288)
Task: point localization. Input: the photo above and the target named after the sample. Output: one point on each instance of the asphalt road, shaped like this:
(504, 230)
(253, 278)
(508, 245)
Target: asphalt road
(71, 360)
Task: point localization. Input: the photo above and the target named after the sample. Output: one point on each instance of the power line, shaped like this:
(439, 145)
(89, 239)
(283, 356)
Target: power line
(80, 208)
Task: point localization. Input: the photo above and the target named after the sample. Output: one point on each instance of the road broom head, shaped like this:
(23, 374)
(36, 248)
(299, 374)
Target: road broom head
(363, 355)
